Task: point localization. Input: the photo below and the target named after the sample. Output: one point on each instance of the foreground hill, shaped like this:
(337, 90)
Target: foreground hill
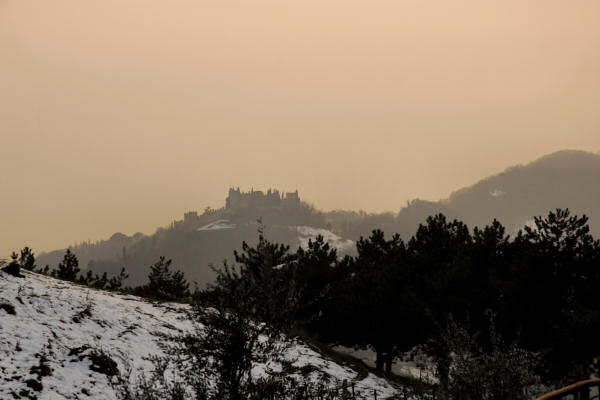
(64, 341)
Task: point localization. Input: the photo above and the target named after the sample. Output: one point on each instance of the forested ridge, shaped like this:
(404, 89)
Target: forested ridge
(558, 180)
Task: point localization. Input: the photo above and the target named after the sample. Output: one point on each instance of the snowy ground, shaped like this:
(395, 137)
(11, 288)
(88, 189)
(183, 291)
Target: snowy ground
(420, 368)
(61, 326)
(306, 233)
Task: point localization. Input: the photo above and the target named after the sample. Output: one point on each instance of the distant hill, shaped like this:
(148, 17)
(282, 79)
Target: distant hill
(200, 240)
(565, 179)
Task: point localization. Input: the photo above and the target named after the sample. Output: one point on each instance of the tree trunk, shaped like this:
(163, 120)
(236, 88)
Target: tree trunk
(379, 360)
(443, 369)
(388, 363)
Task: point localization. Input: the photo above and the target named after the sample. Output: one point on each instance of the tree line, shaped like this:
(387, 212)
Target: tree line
(492, 312)
(534, 294)
(164, 283)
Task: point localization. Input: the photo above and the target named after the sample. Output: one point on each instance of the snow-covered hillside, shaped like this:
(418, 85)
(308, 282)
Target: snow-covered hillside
(306, 233)
(53, 336)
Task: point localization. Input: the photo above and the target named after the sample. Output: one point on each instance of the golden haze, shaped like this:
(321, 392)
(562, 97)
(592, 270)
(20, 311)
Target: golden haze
(121, 115)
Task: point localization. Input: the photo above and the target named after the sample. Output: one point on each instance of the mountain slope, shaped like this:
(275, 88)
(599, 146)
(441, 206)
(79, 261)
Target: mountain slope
(57, 341)
(565, 179)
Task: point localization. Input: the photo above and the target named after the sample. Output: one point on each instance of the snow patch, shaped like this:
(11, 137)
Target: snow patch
(307, 233)
(217, 225)
(497, 193)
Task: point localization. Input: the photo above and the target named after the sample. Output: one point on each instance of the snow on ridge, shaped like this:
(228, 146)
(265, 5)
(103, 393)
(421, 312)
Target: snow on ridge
(497, 193)
(307, 233)
(124, 327)
(221, 224)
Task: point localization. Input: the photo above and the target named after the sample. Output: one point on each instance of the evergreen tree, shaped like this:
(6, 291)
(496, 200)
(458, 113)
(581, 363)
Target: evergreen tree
(375, 303)
(552, 296)
(116, 282)
(312, 274)
(165, 284)
(27, 259)
(68, 268)
(24, 260)
(259, 286)
(438, 252)
(98, 282)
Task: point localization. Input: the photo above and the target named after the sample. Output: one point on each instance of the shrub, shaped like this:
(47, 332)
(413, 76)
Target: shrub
(466, 370)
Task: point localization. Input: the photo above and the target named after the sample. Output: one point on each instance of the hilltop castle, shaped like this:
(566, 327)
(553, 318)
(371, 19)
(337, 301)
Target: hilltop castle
(256, 199)
(245, 203)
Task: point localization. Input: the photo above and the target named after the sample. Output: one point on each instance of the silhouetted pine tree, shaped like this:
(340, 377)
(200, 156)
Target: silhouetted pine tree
(312, 274)
(553, 295)
(165, 284)
(68, 268)
(259, 286)
(116, 282)
(27, 259)
(373, 305)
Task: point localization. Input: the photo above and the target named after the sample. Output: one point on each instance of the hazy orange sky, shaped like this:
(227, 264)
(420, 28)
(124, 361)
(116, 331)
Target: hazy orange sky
(121, 115)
